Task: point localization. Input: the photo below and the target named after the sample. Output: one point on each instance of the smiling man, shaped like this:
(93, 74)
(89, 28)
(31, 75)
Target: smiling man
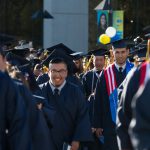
(57, 73)
(106, 97)
(71, 123)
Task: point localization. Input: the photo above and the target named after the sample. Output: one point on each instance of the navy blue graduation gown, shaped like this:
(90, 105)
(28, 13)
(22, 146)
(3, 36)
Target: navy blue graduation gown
(71, 120)
(124, 115)
(73, 79)
(102, 112)
(37, 130)
(42, 78)
(140, 124)
(12, 114)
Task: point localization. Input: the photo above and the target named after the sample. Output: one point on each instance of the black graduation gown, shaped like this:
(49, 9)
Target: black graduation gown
(140, 124)
(37, 130)
(124, 115)
(89, 81)
(71, 120)
(102, 112)
(12, 114)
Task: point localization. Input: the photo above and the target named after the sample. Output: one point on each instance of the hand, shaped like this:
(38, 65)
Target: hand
(98, 132)
(39, 106)
(75, 145)
(93, 130)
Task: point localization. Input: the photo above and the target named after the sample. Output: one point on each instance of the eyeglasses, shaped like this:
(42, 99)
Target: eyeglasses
(61, 71)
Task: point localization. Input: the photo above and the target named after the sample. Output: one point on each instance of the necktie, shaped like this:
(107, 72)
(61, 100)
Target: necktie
(56, 92)
(98, 72)
(120, 69)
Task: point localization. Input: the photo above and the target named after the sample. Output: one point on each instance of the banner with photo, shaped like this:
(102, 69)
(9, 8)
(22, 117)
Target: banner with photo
(102, 21)
(118, 22)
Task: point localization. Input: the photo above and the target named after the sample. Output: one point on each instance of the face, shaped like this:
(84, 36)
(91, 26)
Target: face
(37, 72)
(99, 62)
(121, 55)
(57, 73)
(78, 64)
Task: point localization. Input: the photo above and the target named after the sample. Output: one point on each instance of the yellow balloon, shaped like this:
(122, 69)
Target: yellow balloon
(104, 39)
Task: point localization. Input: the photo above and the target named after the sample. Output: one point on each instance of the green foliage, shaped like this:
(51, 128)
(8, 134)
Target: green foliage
(16, 19)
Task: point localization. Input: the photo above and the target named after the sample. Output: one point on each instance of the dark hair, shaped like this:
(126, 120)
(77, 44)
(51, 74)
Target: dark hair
(103, 14)
(57, 61)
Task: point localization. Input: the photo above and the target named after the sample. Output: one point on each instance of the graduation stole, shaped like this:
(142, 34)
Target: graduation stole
(144, 73)
(112, 87)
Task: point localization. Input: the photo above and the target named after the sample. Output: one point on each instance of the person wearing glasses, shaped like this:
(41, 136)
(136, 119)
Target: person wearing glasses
(70, 123)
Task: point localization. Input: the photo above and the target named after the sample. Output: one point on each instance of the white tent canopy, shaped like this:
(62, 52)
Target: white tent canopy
(100, 5)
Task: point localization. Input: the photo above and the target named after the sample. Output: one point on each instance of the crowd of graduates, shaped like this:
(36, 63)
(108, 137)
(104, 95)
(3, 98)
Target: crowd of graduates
(59, 99)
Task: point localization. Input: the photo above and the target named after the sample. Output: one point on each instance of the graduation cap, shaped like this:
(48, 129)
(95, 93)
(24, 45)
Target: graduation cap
(23, 44)
(61, 47)
(119, 44)
(56, 54)
(139, 49)
(22, 49)
(60, 54)
(77, 55)
(16, 60)
(20, 52)
(99, 52)
(140, 52)
(27, 72)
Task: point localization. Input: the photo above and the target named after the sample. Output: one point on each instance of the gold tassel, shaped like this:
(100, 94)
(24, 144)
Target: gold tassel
(87, 65)
(45, 69)
(148, 51)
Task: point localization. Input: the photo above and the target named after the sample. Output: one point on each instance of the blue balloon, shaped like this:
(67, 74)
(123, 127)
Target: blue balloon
(115, 38)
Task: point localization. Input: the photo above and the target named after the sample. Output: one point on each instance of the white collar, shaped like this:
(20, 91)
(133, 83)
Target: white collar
(59, 88)
(94, 69)
(117, 66)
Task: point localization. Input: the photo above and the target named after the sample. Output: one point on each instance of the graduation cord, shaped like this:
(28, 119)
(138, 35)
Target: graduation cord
(92, 83)
(92, 89)
(93, 92)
